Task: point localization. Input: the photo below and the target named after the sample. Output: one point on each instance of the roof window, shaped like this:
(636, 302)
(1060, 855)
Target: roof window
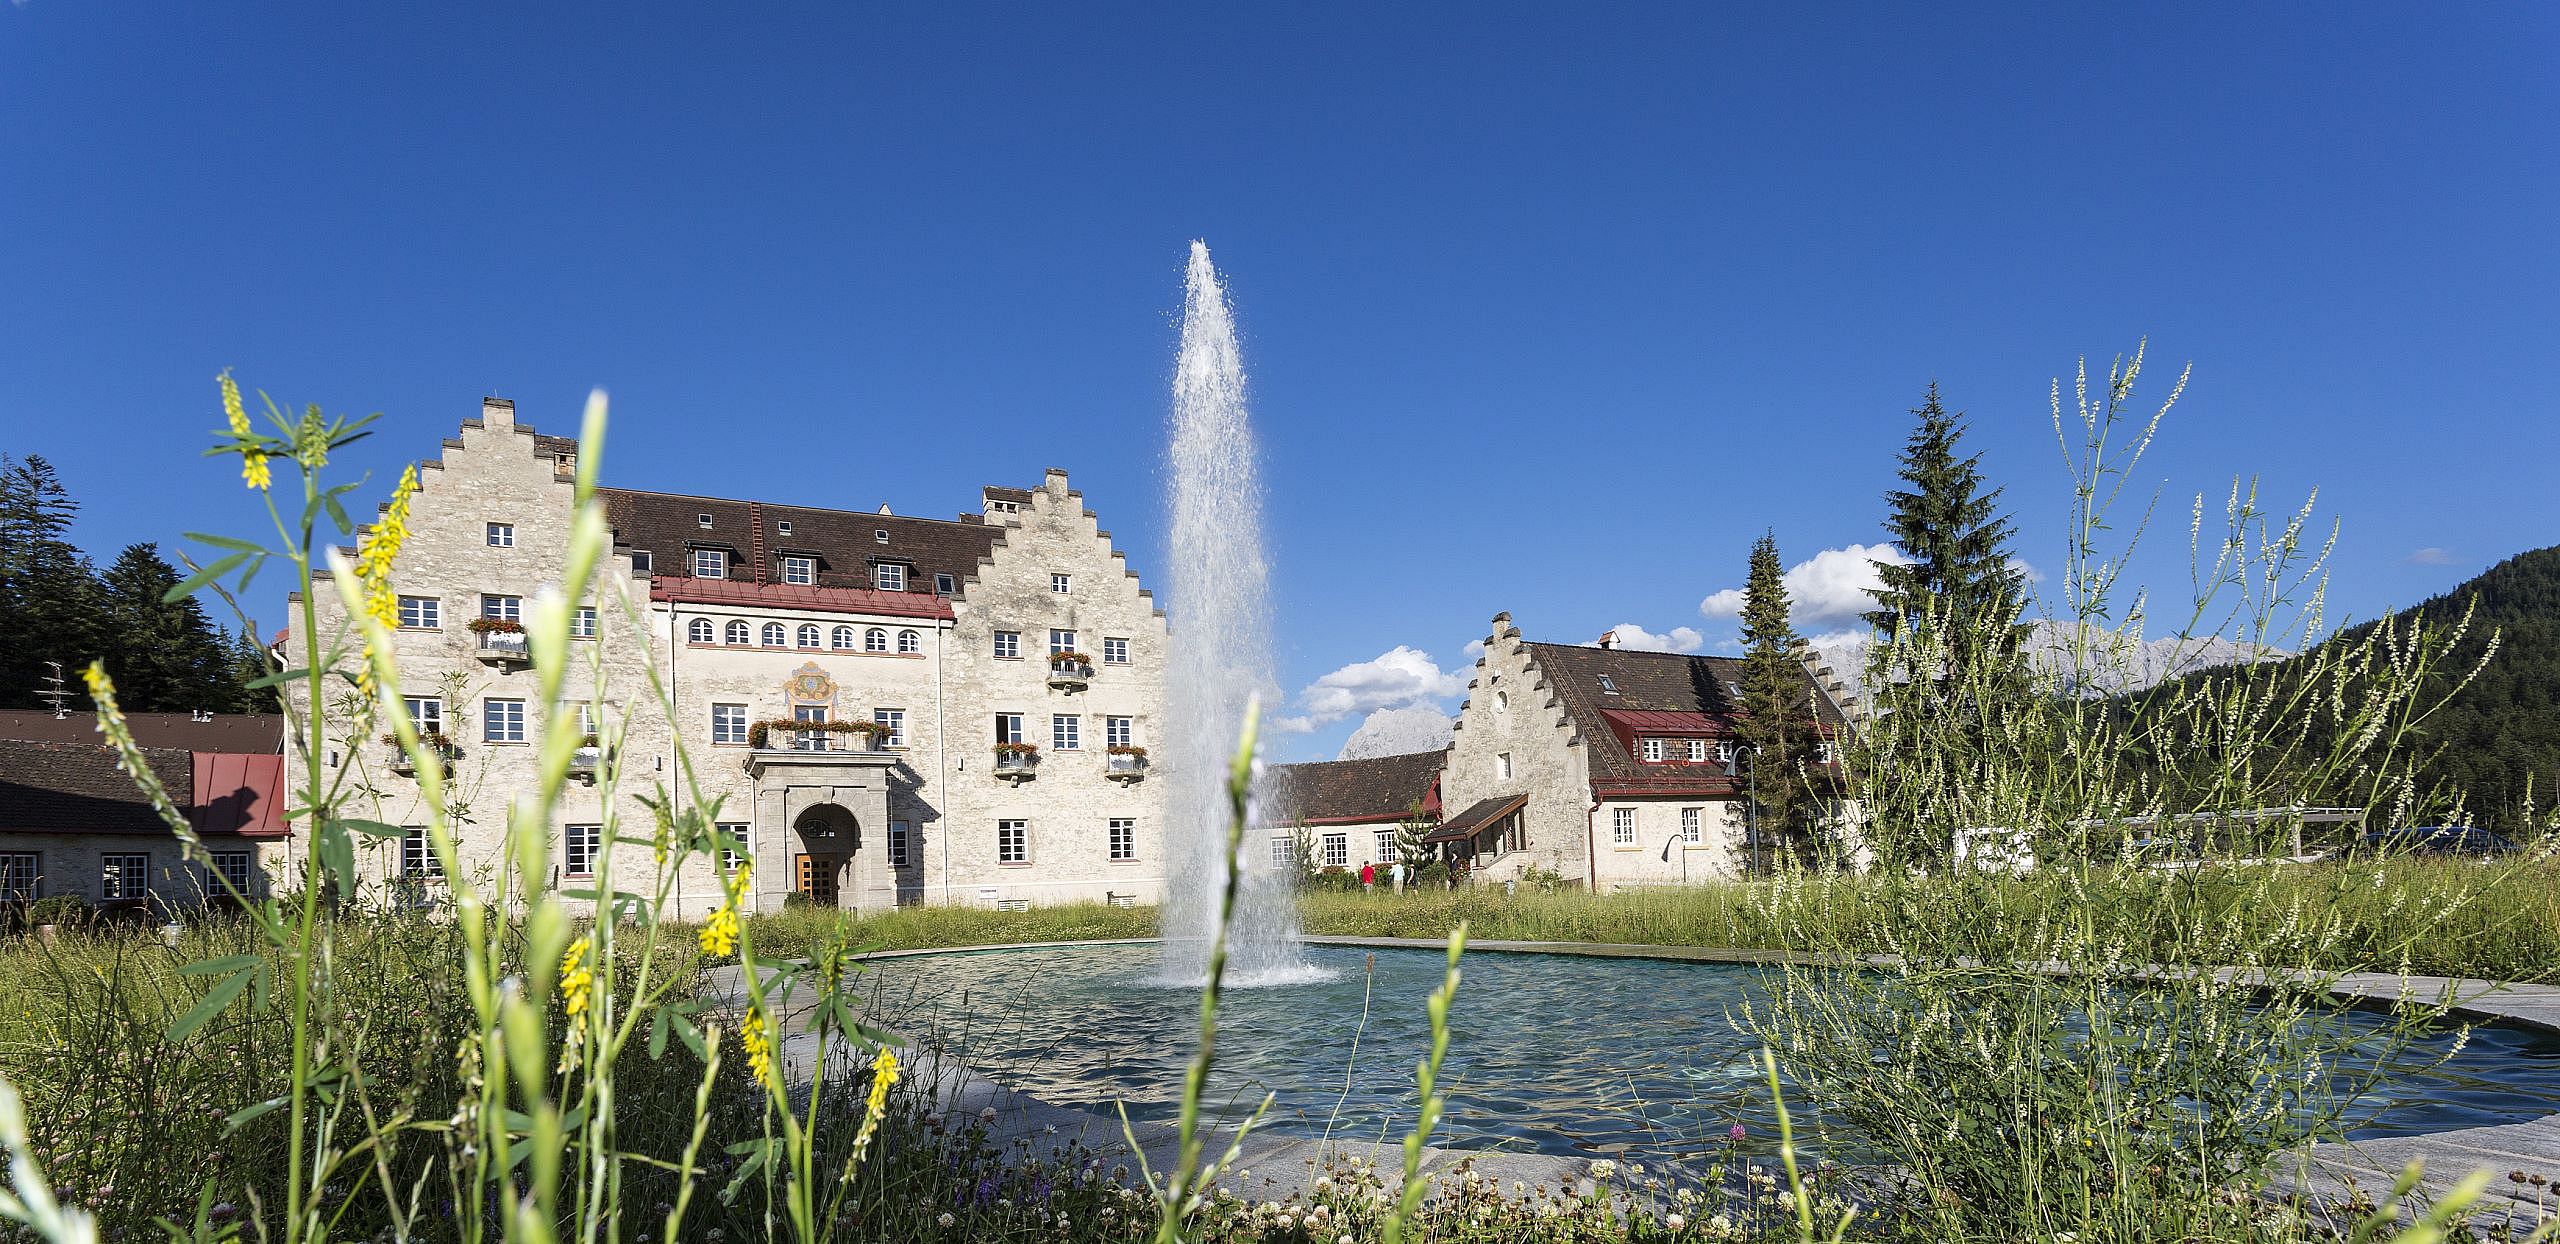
(703, 521)
(1608, 685)
(881, 536)
(782, 527)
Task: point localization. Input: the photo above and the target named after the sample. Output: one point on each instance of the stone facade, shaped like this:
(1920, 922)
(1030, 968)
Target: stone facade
(748, 613)
(1515, 737)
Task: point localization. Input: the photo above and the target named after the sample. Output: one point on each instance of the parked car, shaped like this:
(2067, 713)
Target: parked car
(2462, 840)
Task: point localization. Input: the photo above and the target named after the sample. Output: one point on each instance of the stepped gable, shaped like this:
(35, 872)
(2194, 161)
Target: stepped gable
(846, 543)
(1375, 788)
(1703, 693)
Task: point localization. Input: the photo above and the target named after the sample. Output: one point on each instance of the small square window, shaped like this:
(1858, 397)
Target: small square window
(945, 585)
(744, 834)
(420, 613)
(641, 563)
(582, 624)
(703, 521)
(1115, 651)
(782, 527)
(502, 608)
(502, 535)
(891, 577)
(1061, 641)
(881, 536)
(1058, 583)
(234, 867)
(426, 712)
(803, 570)
(1008, 645)
(1653, 751)
(710, 564)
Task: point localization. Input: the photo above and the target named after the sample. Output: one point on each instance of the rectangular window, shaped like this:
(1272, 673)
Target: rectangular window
(710, 563)
(1386, 846)
(1502, 767)
(582, 624)
(18, 877)
(229, 866)
(426, 712)
(588, 719)
(1058, 583)
(1284, 852)
(728, 723)
(803, 570)
(1124, 838)
(642, 563)
(417, 855)
(502, 535)
(891, 577)
(1697, 751)
(1827, 752)
(502, 721)
(1653, 751)
(1064, 732)
(1119, 731)
(899, 832)
(1008, 645)
(1008, 727)
(1013, 842)
(782, 527)
(1692, 825)
(420, 613)
(1061, 641)
(703, 521)
(810, 740)
(1622, 826)
(581, 846)
(945, 585)
(1724, 753)
(1115, 651)
(1337, 850)
(896, 720)
(501, 608)
(743, 833)
(123, 877)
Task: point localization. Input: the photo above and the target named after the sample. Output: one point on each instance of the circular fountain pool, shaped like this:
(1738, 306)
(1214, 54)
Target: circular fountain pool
(1557, 1054)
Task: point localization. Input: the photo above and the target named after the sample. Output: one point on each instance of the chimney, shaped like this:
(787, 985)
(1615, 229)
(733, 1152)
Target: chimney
(498, 414)
(1055, 481)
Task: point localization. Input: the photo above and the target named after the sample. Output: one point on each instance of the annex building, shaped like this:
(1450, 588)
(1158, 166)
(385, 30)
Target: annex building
(885, 709)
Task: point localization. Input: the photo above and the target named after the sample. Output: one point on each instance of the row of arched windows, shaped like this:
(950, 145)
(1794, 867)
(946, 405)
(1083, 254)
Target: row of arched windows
(739, 634)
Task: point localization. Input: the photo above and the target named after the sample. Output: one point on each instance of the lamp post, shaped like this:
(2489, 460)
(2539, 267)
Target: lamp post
(1750, 805)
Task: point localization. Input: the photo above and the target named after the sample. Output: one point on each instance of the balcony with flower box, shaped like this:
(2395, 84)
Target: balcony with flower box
(1124, 763)
(501, 642)
(816, 749)
(586, 760)
(1017, 762)
(1070, 672)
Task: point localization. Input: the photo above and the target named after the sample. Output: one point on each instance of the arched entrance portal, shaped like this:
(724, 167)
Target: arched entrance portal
(824, 840)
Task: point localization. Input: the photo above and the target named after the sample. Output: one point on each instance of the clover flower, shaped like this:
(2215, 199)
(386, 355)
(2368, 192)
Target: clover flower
(253, 456)
(719, 936)
(577, 987)
(758, 1040)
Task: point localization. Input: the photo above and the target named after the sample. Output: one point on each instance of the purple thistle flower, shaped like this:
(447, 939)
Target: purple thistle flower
(1737, 1133)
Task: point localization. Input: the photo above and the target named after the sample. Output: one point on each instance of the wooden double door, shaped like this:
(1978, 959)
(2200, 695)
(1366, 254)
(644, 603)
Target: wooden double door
(817, 875)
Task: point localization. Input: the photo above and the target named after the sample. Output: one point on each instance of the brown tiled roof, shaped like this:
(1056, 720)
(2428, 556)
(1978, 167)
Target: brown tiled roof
(795, 596)
(1647, 682)
(226, 732)
(1376, 788)
(77, 788)
(845, 542)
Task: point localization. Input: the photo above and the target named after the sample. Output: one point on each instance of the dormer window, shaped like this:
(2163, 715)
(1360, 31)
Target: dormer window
(782, 527)
(1608, 685)
(641, 562)
(1003, 507)
(710, 564)
(945, 585)
(1697, 751)
(1653, 751)
(801, 570)
(703, 521)
(890, 578)
(881, 536)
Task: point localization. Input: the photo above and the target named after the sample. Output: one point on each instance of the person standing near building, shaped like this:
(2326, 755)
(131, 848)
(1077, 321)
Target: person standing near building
(1395, 872)
(1368, 878)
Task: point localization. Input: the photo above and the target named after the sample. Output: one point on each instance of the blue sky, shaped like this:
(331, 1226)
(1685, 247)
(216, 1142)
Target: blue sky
(1550, 310)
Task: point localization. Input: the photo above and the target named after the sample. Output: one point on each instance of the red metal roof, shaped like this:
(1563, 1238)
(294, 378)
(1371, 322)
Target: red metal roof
(238, 794)
(678, 588)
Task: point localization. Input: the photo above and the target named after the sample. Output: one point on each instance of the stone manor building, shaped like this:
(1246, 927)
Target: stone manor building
(886, 709)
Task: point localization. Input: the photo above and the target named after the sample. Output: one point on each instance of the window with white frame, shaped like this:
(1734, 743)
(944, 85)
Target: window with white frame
(1622, 827)
(700, 631)
(502, 721)
(891, 577)
(728, 723)
(1058, 583)
(802, 570)
(1124, 838)
(421, 613)
(1502, 767)
(1115, 651)
(841, 639)
(18, 872)
(1724, 753)
(775, 635)
(502, 535)
(1697, 751)
(1008, 645)
(1826, 752)
(739, 633)
(498, 608)
(426, 712)
(582, 624)
(1061, 641)
(910, 643)
(743, 834)
(1063, 731)
(711, 563)
(808, 634)
(1653, 751)
(1337, 851)
(579, 849)
(875, 640)
(1003, 507)
(880, 536)
(896, 720)
(811, 740)
(122, 876)
(1693, 825)
(703, 521)
(589, 721)
(1119, 731)
(900, 832)
(1013, 842)
(1284, 852)
(782, 527)
(945, 585)
(1385, 846)
(641, 562)
(417, 855)
(234, 867)
(1008, 727)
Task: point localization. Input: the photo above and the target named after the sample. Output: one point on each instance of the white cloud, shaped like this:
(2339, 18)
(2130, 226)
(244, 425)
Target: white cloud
(1681, 639)
(2026, 571)
(1400, 677)
(1829, 587)
(1474, 649)
(1397, 731)
(2430, 556)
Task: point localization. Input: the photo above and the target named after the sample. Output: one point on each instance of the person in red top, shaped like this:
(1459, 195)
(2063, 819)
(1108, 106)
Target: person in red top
(1368, 878)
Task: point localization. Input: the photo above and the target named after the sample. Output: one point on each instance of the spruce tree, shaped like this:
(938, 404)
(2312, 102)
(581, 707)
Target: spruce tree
(1959, 582)
(164, 654)
(51, 604)
(1777, 724)
(247, 662)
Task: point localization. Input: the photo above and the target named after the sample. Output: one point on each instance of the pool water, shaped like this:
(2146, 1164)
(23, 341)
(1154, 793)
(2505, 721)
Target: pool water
(1566, 1055)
